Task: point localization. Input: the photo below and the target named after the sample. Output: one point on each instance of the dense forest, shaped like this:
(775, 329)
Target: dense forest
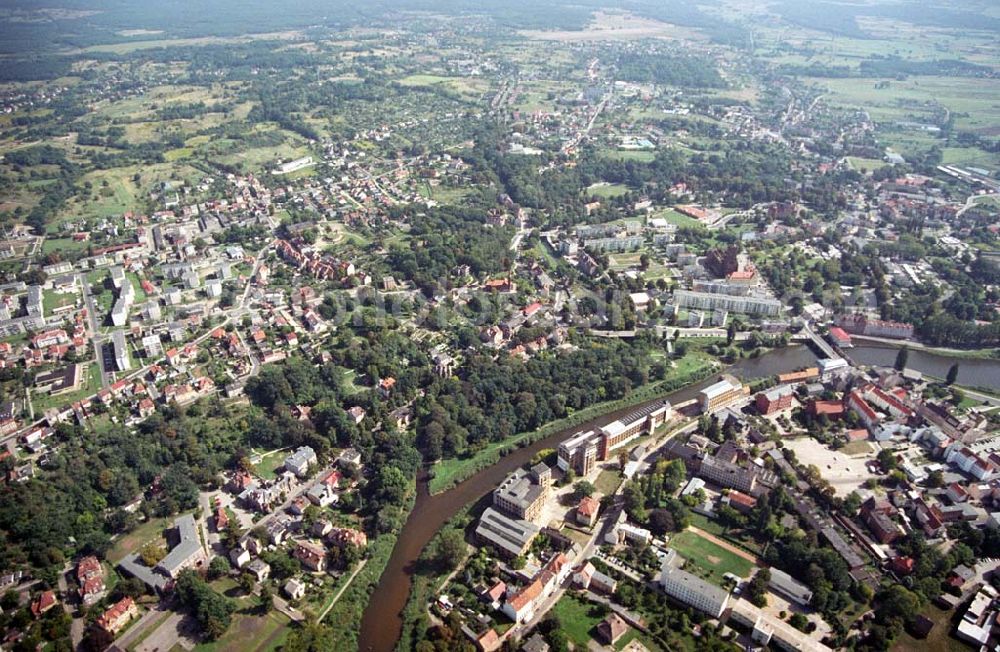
(685, 71)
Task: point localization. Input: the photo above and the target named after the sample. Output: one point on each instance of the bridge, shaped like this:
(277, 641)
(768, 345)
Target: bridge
(821, 344)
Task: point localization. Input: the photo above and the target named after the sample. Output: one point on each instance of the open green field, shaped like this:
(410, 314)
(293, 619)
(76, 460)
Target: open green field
(969, 156)
(940, 638)
(607, 190)
(112, 194)
(973, 101)
(52, 300)
(674, 217)
(132, 46)
(443, 195)
(251, 632)
(867, 164)
(468, 87)
(707, 559)
(640, 155)
(619, 262)
(64, 246)
(579, 619)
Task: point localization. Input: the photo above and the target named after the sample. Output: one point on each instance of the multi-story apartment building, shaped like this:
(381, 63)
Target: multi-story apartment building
(858, 324)
(727, 474)
(756, 306)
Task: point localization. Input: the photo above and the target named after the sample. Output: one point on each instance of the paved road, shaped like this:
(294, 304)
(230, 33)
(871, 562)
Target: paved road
(136, 631)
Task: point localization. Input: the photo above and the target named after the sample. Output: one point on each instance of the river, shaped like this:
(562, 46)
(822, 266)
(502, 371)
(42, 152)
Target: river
(972, 372)
(381, 624)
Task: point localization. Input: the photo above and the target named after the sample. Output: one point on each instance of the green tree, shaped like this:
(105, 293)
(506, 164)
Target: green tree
(582, 489)
(217, 568)
(247, 583)
(451, 549)
(901, 358)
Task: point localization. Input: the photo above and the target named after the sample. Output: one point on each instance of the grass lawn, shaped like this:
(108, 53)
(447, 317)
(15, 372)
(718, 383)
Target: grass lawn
(579, 619)
(868, 164)
(112, 193)
(608, 189)
(126, 544)
(674, 217)
(711, 526)
(52, 300)
(707, 559)
(640, 155)
(64, 245)
(250, 632)
(608, 482)
(140, 294)
(270, 462)
(940, 638)
(89, 386)
(856, 448)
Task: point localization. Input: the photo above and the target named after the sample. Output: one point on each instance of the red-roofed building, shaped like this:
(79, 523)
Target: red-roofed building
(774, 400)
(831, 409)
(43, 603)
(332, 479)
(91, 590)
(114, 619)
(311, 555)
(840, 337)
(345, 536)
(586, 511)
(857, 403)
(499, 285)
(385, 386)
(902, 565)
(741, 502)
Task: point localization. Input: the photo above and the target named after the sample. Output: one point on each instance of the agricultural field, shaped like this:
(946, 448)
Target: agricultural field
(468, 88)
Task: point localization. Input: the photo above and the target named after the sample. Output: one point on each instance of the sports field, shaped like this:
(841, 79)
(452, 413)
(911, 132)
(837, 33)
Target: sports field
(707, 559)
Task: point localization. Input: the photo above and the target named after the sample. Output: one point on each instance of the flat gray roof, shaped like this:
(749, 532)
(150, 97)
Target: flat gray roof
(512, 535)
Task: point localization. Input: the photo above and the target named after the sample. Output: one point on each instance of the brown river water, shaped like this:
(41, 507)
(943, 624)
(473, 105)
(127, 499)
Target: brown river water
(382, 623)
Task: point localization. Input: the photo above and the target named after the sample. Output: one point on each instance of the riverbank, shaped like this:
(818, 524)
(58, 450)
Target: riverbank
(969, 354)
(382, 623)
(978, 373)
(691, 368)
(343, 617)
(426, 584)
